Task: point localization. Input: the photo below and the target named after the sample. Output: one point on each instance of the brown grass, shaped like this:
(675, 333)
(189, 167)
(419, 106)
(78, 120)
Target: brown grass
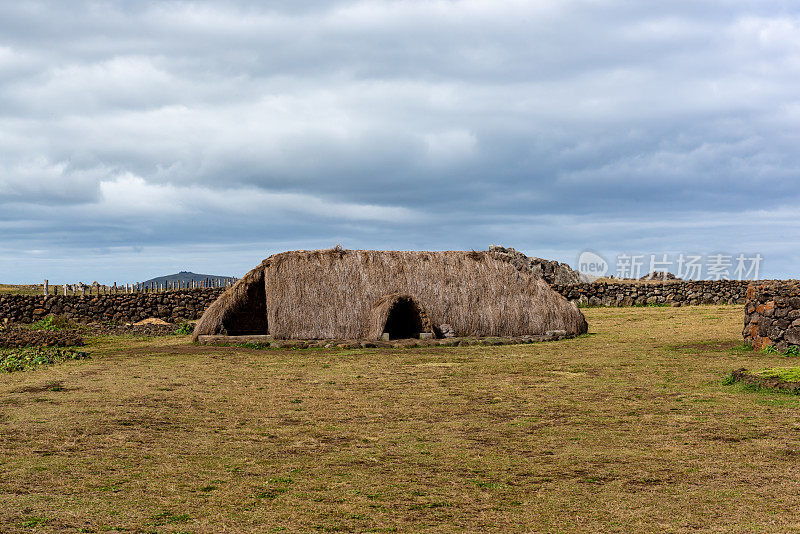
(330, 294)
(628, 429)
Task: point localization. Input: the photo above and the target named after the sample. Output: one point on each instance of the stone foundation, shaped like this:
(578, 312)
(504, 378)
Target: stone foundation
(269, 341)
(772, 315)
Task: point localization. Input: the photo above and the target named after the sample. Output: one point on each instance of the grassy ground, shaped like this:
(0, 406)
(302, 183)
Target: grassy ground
(626, 429)
(787, 374)
(30, 289)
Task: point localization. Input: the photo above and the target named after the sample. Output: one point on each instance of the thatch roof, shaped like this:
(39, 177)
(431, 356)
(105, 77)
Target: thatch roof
(345, 294)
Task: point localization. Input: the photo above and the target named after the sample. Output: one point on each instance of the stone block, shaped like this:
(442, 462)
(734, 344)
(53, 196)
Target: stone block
(792, 335)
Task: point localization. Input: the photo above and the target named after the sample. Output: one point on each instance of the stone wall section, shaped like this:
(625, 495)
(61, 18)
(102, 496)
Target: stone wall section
(173, 306)
(672, 293)
(551, 271)
(772, 315)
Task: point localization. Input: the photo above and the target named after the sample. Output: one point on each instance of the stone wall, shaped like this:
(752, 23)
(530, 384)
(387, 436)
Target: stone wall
(772, 315)
(674, 293)
(551, 271)
(171, 306)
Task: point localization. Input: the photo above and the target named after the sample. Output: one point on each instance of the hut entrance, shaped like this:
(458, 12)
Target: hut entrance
(398, 316)
(404, 319)
(247, 314)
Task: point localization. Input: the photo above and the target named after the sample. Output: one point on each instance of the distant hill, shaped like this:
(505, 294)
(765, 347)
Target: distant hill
(186, 276)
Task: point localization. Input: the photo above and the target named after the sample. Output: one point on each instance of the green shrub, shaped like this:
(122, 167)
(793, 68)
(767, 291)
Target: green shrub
(793, 350)
(53, 322)
(185, 329)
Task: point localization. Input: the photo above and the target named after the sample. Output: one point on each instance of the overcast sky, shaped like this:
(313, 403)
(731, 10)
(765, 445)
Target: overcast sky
(143, 138)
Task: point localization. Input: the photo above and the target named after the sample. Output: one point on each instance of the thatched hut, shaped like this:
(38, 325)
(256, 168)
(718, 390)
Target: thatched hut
(362, 294)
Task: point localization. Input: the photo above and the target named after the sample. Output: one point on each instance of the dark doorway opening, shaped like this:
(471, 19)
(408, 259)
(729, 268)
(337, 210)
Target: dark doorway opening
(249, 314)
(404, 320)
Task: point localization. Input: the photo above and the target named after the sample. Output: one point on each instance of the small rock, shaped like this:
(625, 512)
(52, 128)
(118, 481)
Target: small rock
(447, 331)
(555, 334)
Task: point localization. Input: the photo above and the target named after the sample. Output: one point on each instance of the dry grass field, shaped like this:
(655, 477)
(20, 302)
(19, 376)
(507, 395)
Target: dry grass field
(627, 429)
(29, 289)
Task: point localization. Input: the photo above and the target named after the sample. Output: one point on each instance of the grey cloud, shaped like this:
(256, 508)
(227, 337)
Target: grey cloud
(552, 126)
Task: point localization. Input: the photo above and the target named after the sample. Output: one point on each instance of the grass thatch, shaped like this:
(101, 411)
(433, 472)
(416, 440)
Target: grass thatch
(238, 311)
(326, 294)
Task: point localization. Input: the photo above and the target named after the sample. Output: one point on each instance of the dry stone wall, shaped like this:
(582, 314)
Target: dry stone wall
(171, 306)
(772, 315)
(673, 293)
(551, 271)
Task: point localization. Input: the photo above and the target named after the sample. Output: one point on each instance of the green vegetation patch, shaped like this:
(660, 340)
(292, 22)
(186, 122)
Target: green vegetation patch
(186, 328)
(781, 379)
(32, 522)
(793, 350)
(32, 357)
(786, 374)
(169, 518)
(53, 323)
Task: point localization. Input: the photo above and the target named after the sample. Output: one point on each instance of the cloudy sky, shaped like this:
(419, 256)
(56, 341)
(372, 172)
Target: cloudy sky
(141, 138)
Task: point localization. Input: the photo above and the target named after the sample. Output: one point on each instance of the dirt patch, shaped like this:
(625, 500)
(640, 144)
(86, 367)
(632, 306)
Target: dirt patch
(716, 346)
(187, 349)
(148, 330)
(53, 385)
